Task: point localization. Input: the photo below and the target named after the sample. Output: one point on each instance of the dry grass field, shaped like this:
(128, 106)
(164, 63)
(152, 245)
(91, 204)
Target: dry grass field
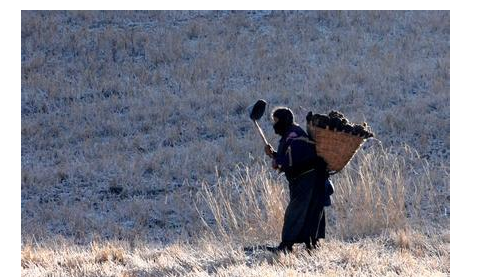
(138, 157)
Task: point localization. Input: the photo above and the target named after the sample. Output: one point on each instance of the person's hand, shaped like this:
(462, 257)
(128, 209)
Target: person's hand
(269, 150)
(274, 164)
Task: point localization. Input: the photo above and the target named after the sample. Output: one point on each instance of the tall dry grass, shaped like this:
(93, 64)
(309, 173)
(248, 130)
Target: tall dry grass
(249, 205)
(381, 190)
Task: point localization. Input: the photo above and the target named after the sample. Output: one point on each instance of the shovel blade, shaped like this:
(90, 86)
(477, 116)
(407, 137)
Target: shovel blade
(258, 109)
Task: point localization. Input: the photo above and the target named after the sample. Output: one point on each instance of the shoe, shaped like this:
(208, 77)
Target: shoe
(309, 246)
(312, 245)
(283, 247)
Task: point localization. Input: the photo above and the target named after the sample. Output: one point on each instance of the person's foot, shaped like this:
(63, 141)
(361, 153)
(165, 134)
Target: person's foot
(312, 245)
(283, 247)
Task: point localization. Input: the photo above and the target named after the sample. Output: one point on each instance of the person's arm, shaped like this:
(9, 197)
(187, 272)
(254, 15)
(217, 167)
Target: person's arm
(272, 154)
(270, 151)
(282, 160)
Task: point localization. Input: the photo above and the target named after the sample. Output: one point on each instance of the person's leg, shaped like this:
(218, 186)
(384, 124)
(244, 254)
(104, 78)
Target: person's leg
(321, 231)
(296, 212)
(314, 214)
(286, 246)
(309, 245)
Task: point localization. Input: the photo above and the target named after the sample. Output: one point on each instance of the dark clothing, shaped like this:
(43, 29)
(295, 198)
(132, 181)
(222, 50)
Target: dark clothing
(296, 156)
(304, 219)
(329, 190)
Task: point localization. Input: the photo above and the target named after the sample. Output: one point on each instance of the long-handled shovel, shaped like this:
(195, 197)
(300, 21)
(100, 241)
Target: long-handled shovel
(256, 113)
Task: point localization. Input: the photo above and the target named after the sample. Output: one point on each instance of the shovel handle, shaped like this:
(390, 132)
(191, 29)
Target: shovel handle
(261, 132)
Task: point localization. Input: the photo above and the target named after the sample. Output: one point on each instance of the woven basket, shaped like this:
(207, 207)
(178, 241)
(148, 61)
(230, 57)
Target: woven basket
(336, 148)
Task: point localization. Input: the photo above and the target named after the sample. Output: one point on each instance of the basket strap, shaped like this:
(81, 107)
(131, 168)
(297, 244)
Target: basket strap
(305, 139)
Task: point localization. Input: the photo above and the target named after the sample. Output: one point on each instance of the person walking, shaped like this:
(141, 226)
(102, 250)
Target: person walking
(306, 173)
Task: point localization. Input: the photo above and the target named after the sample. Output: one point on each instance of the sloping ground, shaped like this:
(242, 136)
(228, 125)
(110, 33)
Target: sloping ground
(126, 115)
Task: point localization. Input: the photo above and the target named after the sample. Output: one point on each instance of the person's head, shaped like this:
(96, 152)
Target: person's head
(283, 118)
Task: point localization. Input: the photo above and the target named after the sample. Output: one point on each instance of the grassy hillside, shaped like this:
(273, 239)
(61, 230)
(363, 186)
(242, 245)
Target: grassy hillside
(137, 151)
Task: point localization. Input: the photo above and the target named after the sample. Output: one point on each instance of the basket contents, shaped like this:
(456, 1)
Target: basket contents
(336, 121)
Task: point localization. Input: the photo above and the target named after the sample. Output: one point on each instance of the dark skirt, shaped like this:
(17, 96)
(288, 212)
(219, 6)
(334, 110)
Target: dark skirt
(304, 219)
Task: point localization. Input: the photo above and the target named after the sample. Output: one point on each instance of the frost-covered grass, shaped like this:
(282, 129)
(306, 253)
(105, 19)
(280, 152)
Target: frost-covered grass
(406, 253)
(132, 121)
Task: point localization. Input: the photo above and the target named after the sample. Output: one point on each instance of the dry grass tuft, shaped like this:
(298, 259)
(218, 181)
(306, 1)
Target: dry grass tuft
(108, 252)
(30, 258)
(402, 239)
